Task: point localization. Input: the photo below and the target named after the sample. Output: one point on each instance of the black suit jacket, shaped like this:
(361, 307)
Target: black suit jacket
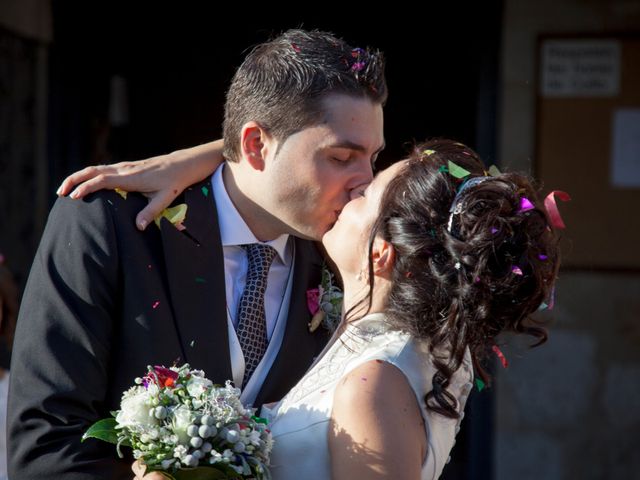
(102, 302)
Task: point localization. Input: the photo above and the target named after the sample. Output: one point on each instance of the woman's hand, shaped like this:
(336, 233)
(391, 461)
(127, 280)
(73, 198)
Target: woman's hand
(161, 178)
(139, 468)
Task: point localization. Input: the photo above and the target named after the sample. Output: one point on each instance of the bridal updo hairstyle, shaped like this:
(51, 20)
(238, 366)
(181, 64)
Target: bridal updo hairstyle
(463, 276)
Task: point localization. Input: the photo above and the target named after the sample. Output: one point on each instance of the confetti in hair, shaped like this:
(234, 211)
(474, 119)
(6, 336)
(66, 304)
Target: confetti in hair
(500, 355)
(525, 205)
(552, 207)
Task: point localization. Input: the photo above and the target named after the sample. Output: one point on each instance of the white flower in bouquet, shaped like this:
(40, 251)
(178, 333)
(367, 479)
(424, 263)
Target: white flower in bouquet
(178, 422)
(134, 408)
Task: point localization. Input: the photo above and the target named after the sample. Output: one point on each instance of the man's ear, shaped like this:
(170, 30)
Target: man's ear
(255, 144)
(383, 257)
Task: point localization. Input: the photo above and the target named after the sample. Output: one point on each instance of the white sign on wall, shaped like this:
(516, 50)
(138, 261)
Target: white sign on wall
(580, 68)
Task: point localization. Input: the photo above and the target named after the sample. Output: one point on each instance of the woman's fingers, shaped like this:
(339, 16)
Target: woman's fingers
(139, 469)
(157, 204)
(76, 178)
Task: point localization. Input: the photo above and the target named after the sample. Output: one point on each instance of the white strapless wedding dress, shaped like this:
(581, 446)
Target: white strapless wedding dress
(300, 421)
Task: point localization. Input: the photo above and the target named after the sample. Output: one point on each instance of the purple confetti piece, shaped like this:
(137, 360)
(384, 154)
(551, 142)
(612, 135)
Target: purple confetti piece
(542, 257)
(525, 205)
(494, 230)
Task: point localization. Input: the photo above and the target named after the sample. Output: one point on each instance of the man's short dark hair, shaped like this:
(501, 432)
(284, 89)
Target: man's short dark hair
(281, 84)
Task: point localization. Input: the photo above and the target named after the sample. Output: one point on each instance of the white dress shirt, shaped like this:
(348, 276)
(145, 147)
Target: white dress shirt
(234, 232)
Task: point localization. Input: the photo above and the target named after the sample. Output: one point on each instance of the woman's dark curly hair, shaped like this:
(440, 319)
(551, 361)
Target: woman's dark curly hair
(461, 278)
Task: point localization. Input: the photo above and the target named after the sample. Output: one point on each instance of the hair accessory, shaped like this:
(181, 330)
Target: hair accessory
(456, 206)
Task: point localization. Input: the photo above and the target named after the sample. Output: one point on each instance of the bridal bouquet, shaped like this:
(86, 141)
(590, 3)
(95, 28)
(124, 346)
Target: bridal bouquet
(180, 423)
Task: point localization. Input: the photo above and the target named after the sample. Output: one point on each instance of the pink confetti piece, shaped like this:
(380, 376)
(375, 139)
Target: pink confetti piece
(517, 270)
(500, 355)
(552, 298)
(525, 205)
(552, 207)
(295, 47)
(155, 304)
(313, 300)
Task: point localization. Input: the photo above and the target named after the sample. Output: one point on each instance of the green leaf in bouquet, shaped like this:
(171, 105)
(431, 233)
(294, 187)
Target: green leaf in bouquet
(104, 430)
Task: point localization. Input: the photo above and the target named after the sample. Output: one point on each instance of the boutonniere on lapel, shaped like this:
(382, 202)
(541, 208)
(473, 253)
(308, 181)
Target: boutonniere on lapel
(176, 215)
(325, 302)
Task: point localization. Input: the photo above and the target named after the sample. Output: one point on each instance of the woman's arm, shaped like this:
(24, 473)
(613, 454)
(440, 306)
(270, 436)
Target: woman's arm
(161, 178)
(377, 430)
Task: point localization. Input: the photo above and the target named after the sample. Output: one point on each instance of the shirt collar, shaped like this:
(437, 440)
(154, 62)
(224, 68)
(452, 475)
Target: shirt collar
(233, 229)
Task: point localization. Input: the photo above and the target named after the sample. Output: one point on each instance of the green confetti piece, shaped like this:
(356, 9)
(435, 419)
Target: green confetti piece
(457, 171)
(479, 384)
(429, 152)
(205, 191)
(443, 169)
(260, 420)
(200, 280)
(493, 171)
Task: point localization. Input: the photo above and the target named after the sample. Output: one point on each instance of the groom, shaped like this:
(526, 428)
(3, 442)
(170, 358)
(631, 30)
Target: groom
(303, 124)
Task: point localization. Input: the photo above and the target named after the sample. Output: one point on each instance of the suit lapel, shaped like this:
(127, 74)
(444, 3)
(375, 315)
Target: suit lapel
(299, 346)
(195, 271)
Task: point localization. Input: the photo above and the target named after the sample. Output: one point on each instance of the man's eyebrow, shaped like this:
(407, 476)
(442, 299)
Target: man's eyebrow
(354, 146)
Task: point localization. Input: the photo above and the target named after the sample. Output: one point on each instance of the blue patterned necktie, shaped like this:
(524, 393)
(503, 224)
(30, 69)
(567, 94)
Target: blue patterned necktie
(252, 325)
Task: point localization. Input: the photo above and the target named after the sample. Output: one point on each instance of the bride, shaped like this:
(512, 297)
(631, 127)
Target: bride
(435, 265)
